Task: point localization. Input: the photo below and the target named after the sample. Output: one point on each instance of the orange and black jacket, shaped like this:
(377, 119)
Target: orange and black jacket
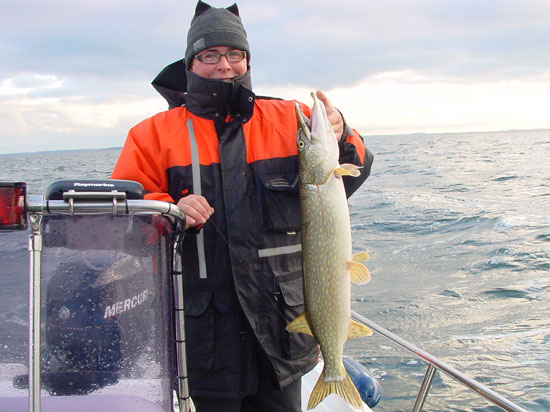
(242, 270)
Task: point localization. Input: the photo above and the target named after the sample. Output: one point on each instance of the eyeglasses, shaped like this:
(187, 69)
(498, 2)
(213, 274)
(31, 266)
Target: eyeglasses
(213, 56)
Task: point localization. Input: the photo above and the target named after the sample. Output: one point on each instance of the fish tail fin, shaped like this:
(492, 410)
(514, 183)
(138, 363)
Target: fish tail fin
(344, 388)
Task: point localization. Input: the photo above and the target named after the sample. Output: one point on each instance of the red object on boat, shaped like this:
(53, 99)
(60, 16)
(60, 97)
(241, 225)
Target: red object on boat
(13, 206)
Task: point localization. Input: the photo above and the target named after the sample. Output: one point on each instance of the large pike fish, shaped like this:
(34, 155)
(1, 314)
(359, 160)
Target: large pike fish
(328, 264)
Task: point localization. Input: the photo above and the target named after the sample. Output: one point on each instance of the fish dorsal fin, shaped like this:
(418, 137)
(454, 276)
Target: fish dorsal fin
(357, 329)
(358, 272)
(299, 325)
(347, 169)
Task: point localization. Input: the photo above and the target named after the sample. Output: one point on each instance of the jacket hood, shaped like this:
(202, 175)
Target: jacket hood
(208, 98)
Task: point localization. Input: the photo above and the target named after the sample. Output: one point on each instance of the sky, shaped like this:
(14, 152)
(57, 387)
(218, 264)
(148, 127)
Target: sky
(77, 75)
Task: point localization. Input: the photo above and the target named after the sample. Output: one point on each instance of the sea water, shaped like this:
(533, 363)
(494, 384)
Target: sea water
(458, 229)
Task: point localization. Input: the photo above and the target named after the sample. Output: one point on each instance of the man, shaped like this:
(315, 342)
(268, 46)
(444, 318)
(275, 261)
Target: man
(229, 160)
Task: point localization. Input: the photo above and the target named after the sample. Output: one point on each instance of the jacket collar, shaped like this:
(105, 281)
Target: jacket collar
(208, 98)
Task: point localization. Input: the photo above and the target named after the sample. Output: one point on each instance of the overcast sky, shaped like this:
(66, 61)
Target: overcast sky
(76, 74)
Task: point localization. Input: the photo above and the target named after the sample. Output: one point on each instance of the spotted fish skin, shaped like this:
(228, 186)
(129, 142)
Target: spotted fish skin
(327, 254)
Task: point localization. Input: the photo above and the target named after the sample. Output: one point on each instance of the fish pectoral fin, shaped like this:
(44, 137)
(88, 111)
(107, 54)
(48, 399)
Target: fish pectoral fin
(347, 169)
(357, 329)
(299, 325)
(359, 273)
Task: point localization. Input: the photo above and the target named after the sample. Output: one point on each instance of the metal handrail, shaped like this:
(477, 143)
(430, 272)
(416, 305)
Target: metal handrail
(433, 362)
(102, 207)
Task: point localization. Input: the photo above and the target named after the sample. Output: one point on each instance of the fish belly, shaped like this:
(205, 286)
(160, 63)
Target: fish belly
(326, 248)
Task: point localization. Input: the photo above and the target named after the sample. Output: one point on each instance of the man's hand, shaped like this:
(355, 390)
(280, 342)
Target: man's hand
(196, 208)
(334, 116)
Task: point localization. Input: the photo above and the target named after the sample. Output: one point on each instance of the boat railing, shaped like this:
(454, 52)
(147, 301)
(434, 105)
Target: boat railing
(434, 364)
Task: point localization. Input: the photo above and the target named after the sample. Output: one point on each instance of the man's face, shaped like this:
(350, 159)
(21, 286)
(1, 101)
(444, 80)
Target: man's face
(222, 70)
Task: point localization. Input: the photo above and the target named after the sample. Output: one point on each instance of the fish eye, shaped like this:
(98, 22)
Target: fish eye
(301, 144)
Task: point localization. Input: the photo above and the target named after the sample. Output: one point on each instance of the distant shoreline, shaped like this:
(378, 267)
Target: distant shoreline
(456, 133)
(365, 135)
(62, 151)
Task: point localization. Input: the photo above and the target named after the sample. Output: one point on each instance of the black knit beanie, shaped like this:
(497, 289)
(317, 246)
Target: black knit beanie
(215, 27)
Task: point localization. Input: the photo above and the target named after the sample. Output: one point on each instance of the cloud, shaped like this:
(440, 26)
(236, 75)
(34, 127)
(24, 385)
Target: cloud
(29, 84)
(79, 74)
(410, 102)
(337, 45)
(37, 116)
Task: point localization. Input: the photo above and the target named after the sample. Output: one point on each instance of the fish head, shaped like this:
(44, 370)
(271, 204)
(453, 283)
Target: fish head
(317, 145)
(322, 130)
(313, 160)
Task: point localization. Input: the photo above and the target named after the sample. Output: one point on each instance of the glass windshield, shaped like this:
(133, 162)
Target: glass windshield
(106, 315)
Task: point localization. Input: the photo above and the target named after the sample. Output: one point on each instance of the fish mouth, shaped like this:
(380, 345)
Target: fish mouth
(302, 122)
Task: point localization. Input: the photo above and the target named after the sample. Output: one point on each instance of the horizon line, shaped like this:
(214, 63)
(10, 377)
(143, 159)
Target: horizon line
(363, 135)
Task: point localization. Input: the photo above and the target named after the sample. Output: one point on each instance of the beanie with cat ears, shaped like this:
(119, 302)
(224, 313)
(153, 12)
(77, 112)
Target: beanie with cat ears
(212, 27)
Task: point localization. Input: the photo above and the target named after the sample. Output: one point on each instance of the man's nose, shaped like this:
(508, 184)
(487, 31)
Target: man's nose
(224, 63)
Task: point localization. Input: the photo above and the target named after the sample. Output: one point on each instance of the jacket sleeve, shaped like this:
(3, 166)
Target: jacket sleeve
(141, 160)
(353, 150)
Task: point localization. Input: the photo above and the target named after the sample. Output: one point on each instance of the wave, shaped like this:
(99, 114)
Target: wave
(506, 178)
(504, 293)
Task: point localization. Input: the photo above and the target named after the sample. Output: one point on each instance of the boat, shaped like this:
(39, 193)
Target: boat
(106, 313)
